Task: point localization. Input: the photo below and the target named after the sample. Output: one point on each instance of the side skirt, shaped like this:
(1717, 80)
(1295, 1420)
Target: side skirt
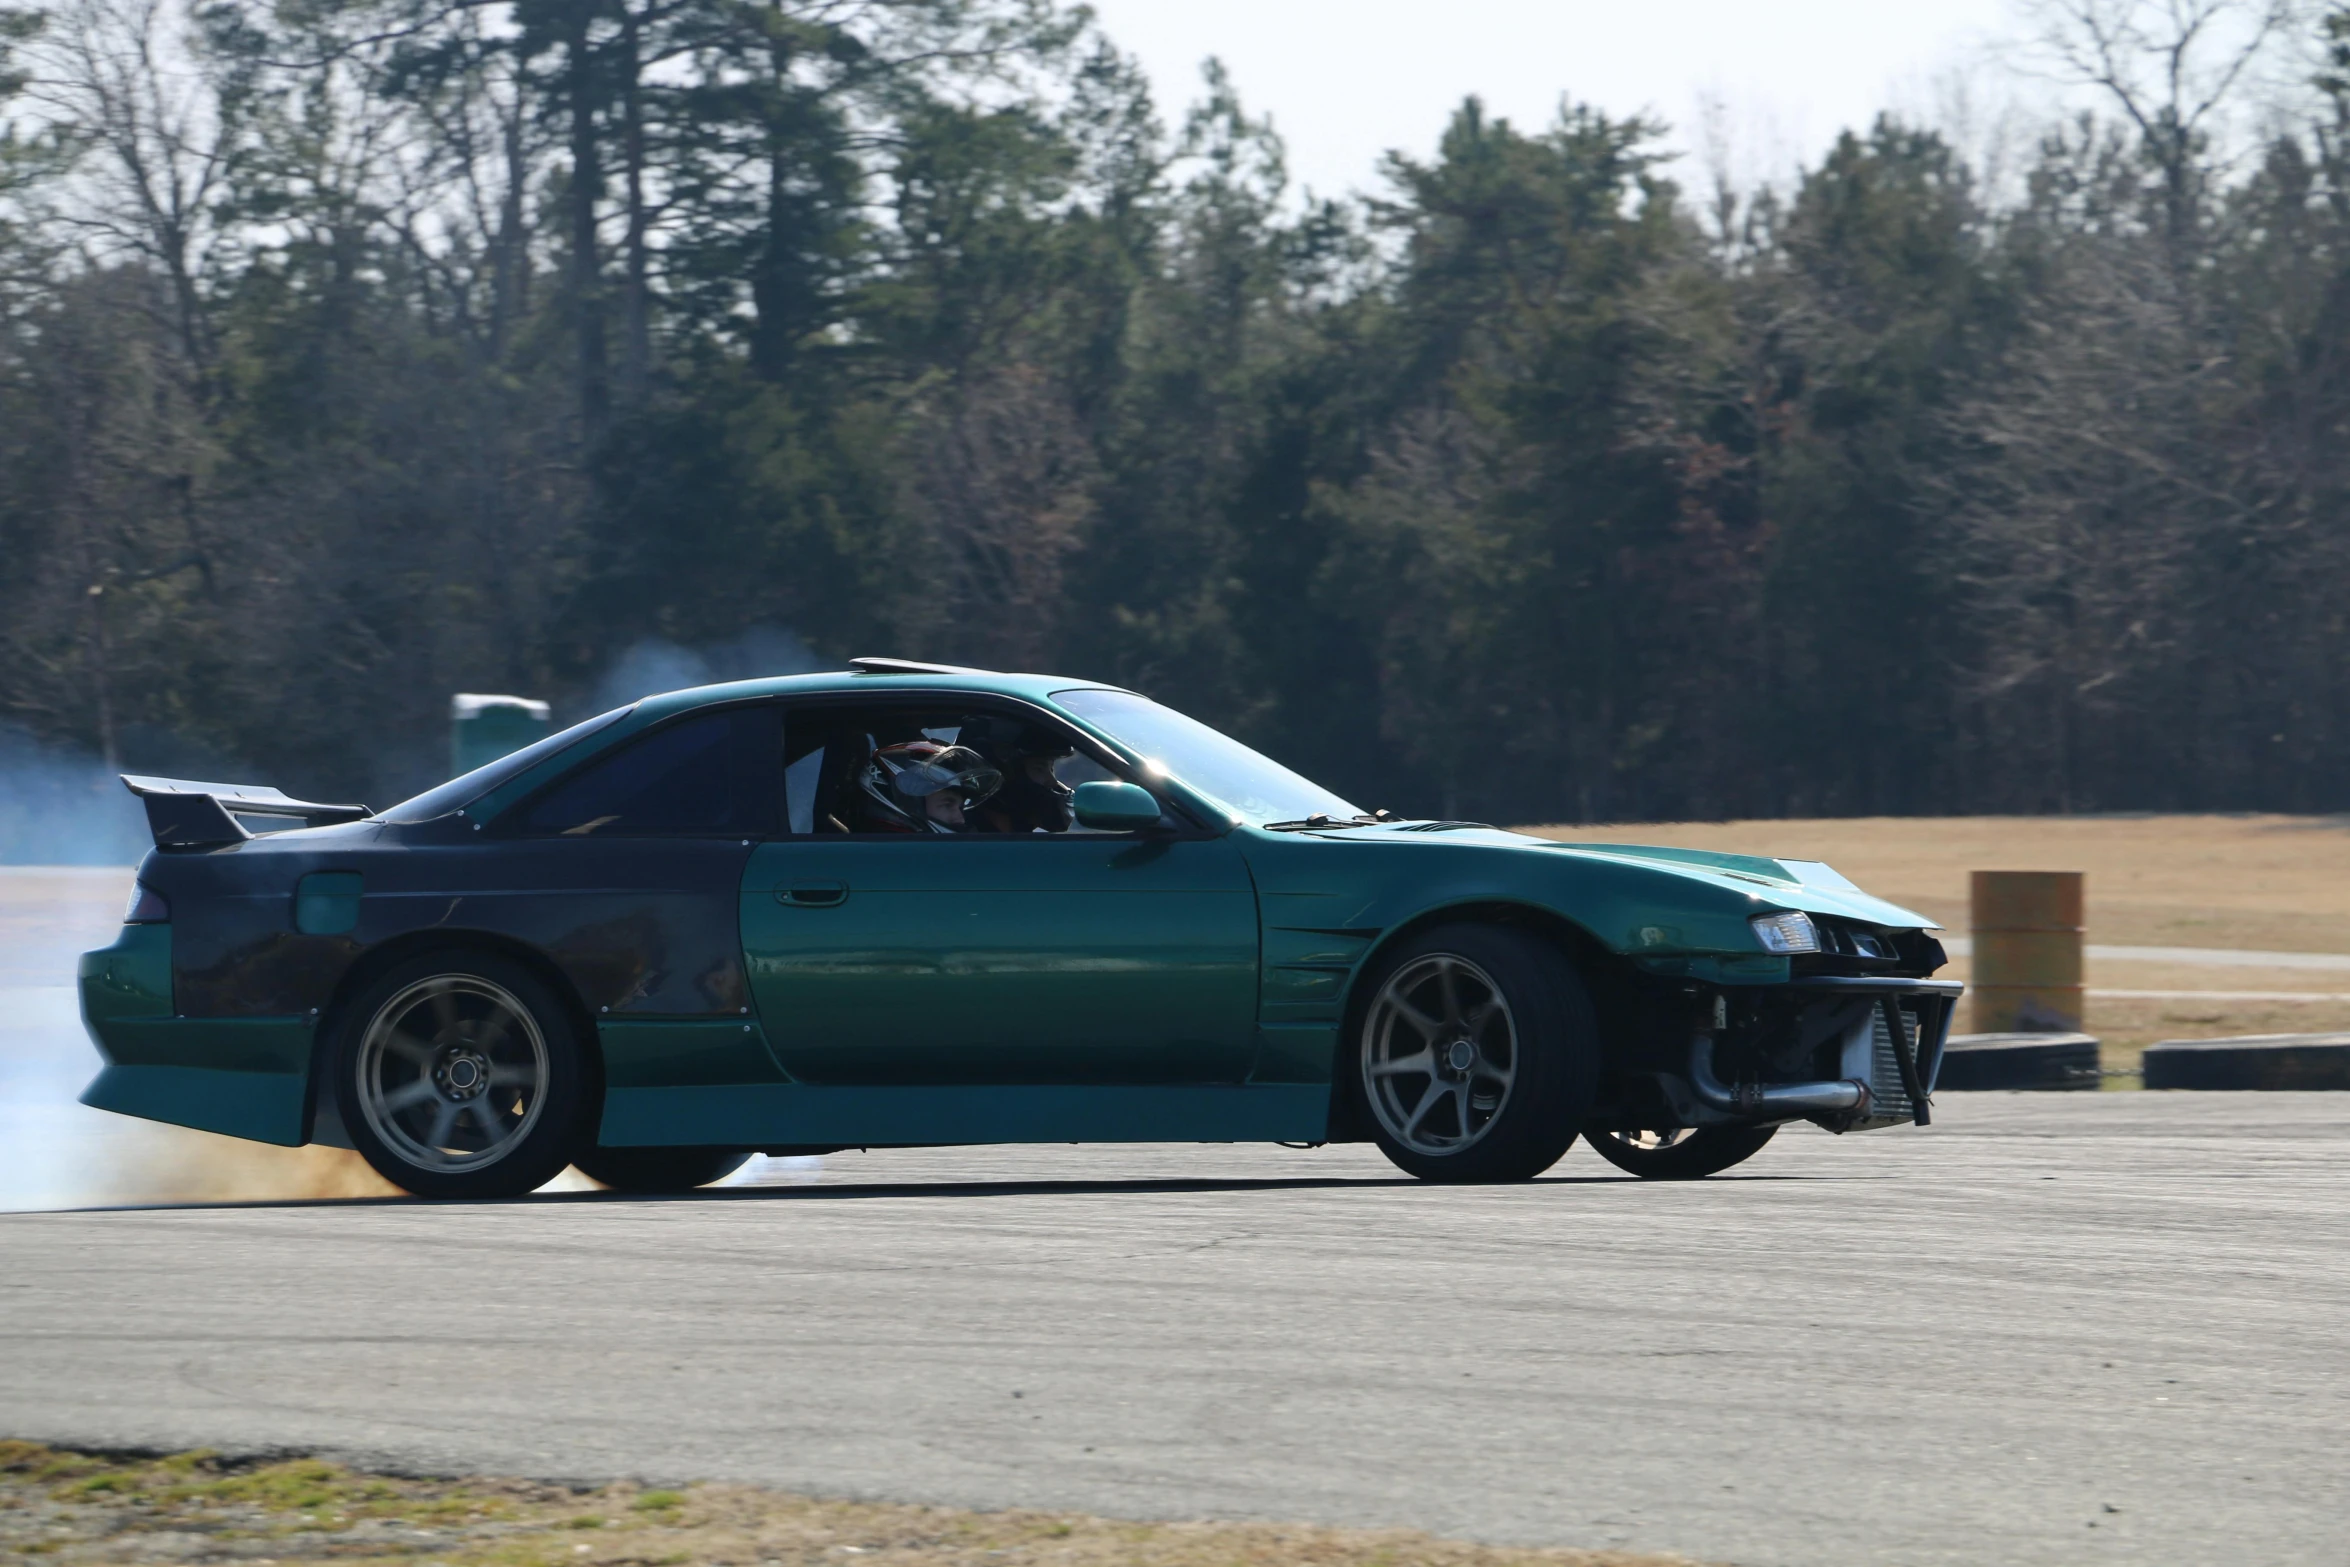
(798, 1114)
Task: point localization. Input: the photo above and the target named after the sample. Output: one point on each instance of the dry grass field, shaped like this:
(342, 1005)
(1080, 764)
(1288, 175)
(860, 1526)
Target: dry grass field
(84, 1509)
(2273, 883)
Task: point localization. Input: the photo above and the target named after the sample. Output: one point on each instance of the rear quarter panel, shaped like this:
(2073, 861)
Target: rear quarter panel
(232, 993)
(642, 927)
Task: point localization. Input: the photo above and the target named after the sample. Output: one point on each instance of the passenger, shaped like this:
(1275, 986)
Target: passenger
(1033, 798)
(923, 786)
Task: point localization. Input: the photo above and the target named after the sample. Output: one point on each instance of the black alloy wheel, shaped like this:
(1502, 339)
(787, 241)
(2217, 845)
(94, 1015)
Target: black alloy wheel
(653, 1172)
(1476, 1055)
(461, 1075)
(1682, 1153)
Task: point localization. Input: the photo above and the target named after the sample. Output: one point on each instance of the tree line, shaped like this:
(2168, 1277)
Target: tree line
(355, 352)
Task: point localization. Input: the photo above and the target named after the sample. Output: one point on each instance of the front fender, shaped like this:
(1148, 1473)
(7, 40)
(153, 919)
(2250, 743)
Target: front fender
(1330, 902)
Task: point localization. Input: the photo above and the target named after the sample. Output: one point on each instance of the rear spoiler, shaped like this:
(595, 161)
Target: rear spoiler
(184, 814)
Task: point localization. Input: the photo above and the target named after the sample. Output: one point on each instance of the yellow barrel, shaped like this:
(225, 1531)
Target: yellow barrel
(2027, 967)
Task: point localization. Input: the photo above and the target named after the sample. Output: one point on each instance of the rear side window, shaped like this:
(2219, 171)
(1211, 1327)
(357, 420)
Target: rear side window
(469, 787)
(710, 776)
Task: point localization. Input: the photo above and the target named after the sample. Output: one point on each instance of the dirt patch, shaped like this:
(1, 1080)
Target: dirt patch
(194, 1507)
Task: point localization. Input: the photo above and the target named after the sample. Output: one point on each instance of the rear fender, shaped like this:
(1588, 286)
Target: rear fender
(323, 1118)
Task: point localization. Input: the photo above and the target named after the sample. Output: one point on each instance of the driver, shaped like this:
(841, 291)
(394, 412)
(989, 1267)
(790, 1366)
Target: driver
(923, 786)
(1033, 798)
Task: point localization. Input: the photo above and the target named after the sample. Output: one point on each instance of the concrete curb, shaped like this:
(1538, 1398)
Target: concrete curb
(1990, 1061)
(2254, 1061)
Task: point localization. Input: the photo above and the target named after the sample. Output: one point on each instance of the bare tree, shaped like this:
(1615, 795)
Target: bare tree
(159, 129)
(2172, 68)
(456, 178)
(1004, 480)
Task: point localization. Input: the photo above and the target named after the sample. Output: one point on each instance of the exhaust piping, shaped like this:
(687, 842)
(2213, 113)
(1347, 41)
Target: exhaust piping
(1847, 1096)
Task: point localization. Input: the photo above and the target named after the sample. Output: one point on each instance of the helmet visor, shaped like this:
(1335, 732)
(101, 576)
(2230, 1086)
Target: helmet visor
(956, 770)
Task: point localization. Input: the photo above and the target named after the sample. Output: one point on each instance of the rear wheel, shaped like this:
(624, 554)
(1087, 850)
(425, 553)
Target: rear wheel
(1683, 1154)
(653, 1171)
(461, 1075)
(1476, 1055)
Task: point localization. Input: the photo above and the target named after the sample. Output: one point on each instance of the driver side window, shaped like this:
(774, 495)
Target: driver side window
(921, 770)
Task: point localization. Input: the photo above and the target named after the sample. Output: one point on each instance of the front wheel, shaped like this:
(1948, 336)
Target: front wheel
(460, 1074)
(654, 1172)
(1682, 1154)
(1476, 1055)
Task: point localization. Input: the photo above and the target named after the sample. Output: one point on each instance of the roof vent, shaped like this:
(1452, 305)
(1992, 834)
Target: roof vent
(908, 666)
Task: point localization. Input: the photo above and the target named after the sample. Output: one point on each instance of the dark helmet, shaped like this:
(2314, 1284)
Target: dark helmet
(1031, 803)
(900, 778)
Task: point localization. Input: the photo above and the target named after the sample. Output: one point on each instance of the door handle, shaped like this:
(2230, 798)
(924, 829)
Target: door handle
(814, 894)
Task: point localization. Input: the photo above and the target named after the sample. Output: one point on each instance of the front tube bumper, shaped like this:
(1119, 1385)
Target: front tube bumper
(1917, 1052)
(1934, 1002)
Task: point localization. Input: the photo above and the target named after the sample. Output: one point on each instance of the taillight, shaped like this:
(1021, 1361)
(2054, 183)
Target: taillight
(148, 907)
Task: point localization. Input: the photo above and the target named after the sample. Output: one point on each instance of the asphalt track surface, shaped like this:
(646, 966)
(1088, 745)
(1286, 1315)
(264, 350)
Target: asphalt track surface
(2052, 1328)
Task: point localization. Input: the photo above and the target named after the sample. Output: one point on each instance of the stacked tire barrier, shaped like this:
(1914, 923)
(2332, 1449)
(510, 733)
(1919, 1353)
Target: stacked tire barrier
(2275, 1062)
(2012, 1061)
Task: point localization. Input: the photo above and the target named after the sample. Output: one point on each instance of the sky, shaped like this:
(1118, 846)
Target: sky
(1345, 80)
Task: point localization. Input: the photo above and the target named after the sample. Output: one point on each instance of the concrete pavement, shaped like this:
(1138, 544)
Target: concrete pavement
(2060, 1328)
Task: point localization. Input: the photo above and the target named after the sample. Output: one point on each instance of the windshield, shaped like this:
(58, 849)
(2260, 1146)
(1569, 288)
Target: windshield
(466, 788)
(1256, 788)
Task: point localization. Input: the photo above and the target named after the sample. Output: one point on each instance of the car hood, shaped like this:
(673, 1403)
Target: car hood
(1808, 885)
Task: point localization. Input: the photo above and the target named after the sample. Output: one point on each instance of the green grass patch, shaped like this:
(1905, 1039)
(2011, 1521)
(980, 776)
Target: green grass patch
(90, 1510)
(69, 1467)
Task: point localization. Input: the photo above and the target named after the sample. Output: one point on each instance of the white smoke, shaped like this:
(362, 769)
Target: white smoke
(59, 807)
(655, 665)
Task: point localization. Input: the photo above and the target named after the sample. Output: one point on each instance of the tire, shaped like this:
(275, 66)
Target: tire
(657, 1171)
(1476, 1054)
(1689, 1155)
(461, 1075)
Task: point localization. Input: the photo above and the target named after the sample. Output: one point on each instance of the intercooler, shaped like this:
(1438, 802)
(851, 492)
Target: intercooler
(1871, 1056)
(1868, 1056)
(1876, 1085)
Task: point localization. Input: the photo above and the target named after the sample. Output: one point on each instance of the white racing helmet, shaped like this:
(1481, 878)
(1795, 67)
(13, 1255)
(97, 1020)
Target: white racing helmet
(901, 778)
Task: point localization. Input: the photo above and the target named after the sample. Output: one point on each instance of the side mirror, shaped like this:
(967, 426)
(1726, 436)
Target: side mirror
(1106, 806)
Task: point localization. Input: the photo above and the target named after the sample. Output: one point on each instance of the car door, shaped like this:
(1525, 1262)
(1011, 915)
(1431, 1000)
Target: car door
(929, 958)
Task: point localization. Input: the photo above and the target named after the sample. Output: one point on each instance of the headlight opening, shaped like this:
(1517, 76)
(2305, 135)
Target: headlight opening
(1789, 932)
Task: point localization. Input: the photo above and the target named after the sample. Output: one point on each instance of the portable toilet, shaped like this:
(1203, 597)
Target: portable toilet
(484, 728)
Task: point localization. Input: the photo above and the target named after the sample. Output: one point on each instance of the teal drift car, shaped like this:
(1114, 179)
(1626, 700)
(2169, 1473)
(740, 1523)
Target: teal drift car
(912, 904)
